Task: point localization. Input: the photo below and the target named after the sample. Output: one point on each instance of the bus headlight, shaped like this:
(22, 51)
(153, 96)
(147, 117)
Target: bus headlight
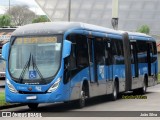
(11, 87)
(55, 85)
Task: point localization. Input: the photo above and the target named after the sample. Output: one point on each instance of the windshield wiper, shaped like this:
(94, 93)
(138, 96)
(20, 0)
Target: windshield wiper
(24, 69)
(27, 65)
(38, 71)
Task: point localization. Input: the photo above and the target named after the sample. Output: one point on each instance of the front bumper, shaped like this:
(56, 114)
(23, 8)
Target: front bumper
(38, 98)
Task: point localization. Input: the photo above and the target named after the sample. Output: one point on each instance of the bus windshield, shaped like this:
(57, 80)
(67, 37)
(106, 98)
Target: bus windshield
(32, 58)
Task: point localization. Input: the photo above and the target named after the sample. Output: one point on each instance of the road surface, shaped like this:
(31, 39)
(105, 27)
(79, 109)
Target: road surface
(95, 105)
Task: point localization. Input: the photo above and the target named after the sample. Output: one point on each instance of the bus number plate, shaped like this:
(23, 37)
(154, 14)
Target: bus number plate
(31, 97)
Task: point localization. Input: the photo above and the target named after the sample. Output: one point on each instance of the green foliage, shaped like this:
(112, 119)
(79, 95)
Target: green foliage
(21, 15)
(144, 29)
(5, 20)
(159, 78)
(2, 98)
(42, 18)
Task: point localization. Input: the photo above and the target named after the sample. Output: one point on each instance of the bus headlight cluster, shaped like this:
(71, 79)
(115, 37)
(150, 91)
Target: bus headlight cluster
(11, 87)
(55, 85)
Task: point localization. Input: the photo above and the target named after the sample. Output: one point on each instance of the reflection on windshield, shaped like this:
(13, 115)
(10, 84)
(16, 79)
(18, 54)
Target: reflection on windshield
(46, 52)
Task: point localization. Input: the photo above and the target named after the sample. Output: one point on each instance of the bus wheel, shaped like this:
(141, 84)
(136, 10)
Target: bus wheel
(81, 101)
(33, 106)
(144, 88)
(115, 92)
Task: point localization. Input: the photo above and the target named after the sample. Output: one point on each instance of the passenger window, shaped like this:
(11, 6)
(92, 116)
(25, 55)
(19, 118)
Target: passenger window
(82, 51)
(79, 52)
(154, 48)
(114, 48)
(100, 51)
(142, 51)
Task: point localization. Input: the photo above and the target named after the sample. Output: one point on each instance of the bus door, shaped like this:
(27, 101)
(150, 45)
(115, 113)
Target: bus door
(150, 52)
(109, 61)
(109, 66)
(134, 63)
(92, 66)
(149, 56)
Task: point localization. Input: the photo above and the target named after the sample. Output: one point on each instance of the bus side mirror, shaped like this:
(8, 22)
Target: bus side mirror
(66, 48)
(5, 50)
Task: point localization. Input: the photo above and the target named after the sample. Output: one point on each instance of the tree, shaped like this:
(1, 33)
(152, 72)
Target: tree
(144, 29)
(5, 20)
(21, 15)
(42, 18)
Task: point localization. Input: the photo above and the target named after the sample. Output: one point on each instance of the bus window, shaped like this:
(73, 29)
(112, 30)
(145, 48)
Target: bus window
(134, 59)
(154, 48)
(114, 48)
(82, 51)
(43, 52)
(142, 51)
(79, 49)
(100, 51)
(117, 51)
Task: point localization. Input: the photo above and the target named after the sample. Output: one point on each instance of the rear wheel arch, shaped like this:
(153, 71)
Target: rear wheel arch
(85, 86)
(146, 79)
(84, 93)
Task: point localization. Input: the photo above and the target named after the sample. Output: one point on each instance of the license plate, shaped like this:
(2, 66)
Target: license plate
(31, 97)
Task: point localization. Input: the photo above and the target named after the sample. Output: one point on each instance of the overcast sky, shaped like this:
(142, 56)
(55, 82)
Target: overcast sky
(31, 3)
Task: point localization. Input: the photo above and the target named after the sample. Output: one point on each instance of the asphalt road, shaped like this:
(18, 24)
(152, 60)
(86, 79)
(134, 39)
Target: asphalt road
(103, 104)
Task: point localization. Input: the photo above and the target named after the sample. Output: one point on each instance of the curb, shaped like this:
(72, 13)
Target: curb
(11, 106)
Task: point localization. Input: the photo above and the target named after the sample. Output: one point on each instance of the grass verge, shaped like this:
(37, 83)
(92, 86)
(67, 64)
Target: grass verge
(2, 100)
(158, 78)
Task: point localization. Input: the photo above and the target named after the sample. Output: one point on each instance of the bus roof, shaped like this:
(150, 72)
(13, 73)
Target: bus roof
(48, 28)
(140, 36)
(58, 28)
(133, 35)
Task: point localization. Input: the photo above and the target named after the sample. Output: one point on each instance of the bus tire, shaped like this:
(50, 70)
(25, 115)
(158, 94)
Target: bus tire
(114, 95)
(81, 102)
(144, 88)
(33, 106)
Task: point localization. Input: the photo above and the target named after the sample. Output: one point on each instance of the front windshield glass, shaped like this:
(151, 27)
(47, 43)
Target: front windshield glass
(35, 57)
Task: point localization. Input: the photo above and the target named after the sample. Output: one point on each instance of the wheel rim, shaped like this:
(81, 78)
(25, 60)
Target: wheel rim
(115, 91)
(82, 98)
(144, 87)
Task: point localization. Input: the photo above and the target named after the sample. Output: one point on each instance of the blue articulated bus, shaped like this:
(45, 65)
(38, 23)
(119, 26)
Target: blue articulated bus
(71, 61)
